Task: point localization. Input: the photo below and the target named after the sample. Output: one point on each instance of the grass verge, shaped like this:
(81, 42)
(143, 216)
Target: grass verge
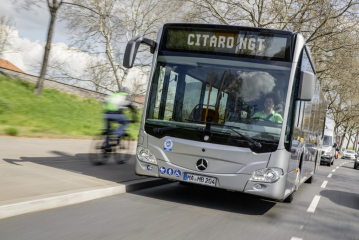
(52, 114)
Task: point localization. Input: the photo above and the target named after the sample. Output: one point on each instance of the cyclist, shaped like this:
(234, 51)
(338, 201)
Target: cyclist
(114, 106)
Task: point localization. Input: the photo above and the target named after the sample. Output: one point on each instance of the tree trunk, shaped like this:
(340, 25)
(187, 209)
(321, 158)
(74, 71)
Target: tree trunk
(45, 60)
(125, 73)
(350, 136)
(343, 137)
(109, 53)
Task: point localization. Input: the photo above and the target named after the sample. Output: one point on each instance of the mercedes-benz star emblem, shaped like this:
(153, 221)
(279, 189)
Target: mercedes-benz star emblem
(202, 164)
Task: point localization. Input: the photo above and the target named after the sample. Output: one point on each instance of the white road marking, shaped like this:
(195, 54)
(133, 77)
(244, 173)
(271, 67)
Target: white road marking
(330, 175)
(324, 184)
(295, 238)
(337, 167)
(314, 204)
(333, 169)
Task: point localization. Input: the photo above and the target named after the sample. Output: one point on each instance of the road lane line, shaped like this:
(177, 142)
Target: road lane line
(324, 184)
(330, 175)
(314, 204)
(333, 169)
(337, 167)
(295, 238)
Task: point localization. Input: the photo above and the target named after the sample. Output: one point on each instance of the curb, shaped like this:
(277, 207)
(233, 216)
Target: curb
(73, 198)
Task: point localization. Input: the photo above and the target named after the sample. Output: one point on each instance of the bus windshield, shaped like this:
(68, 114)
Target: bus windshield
(248, 94)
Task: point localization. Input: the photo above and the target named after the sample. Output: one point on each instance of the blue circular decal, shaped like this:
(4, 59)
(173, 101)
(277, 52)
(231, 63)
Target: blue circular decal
(162, 170)
(178, 173)
(169, 171)
(168, 144)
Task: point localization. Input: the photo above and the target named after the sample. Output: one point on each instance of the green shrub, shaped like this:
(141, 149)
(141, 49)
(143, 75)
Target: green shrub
(11, 131)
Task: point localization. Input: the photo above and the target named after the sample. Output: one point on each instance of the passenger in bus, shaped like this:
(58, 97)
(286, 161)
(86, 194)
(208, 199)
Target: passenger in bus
(268, 113)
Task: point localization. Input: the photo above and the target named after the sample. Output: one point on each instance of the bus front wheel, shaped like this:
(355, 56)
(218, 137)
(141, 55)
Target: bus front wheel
(289, 199)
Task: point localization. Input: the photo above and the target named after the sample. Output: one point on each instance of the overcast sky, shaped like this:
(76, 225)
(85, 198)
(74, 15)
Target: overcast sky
(30, 36)
(33, 24)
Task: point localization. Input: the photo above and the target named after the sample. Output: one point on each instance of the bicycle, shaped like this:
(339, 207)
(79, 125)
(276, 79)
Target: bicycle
(100, 153)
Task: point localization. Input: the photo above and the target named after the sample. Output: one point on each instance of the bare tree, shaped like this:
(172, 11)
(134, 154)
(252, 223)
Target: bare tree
(52, 6)
(91, 72)
(102, 28)
(6, 30)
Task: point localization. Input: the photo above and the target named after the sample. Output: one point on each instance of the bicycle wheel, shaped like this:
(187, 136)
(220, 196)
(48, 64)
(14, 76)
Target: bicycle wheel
(123, 150)
(98, 153)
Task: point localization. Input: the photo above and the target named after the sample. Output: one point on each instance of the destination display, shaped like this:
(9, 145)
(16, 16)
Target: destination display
(233, 43)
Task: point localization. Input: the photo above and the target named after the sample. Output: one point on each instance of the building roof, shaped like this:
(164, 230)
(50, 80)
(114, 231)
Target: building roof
(139, 99)
(8, 65)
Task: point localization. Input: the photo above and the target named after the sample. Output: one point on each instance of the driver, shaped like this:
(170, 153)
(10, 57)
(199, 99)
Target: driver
(268, 112)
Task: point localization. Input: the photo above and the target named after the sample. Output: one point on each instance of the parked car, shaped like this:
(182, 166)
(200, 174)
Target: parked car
(349, 154)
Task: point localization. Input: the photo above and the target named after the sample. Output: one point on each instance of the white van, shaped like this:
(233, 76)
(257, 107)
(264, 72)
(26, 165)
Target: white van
(328, 148)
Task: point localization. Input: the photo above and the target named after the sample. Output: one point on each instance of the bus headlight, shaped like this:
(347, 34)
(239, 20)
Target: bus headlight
(146, 155)
(266, 175)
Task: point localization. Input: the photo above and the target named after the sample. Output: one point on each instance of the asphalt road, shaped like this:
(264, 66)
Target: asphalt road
(176, 211)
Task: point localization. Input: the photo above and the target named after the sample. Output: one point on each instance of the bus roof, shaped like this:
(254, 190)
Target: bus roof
(229, 27)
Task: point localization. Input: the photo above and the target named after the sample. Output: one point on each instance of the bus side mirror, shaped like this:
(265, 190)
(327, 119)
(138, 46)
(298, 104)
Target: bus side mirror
(334, 145)
(306, 86)
(132, 49)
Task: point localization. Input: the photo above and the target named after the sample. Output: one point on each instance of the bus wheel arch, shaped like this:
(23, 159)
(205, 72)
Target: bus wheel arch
(290, 198)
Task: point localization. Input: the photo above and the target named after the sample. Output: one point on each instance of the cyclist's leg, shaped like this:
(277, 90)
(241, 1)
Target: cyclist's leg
(121, 119)
(107, 127)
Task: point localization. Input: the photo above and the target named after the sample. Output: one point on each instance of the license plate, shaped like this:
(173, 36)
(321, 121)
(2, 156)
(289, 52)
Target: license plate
(199, 179)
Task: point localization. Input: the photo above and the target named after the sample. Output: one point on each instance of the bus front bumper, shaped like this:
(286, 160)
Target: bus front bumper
(234, 182)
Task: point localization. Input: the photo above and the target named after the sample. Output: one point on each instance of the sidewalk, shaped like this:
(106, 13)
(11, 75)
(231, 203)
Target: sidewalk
(38, 174)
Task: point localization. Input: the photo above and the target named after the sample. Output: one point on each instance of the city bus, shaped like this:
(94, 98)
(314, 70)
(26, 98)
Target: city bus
(231, 107)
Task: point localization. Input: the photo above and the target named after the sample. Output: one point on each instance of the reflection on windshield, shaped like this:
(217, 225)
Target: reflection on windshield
(249, 95)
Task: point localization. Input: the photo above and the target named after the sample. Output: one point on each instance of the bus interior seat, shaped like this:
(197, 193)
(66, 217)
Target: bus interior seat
(212, 115)
(279, 108)
(199, 112)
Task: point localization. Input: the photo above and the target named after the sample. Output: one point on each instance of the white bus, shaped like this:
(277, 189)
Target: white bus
(231, 107)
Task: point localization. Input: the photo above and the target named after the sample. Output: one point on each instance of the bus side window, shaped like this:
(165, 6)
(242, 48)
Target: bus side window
(158, 87)
(166, 89)
(301, 114)
(192, 96)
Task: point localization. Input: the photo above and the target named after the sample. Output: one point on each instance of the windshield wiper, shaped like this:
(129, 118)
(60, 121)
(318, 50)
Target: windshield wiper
(255, 143)
(157, 130)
